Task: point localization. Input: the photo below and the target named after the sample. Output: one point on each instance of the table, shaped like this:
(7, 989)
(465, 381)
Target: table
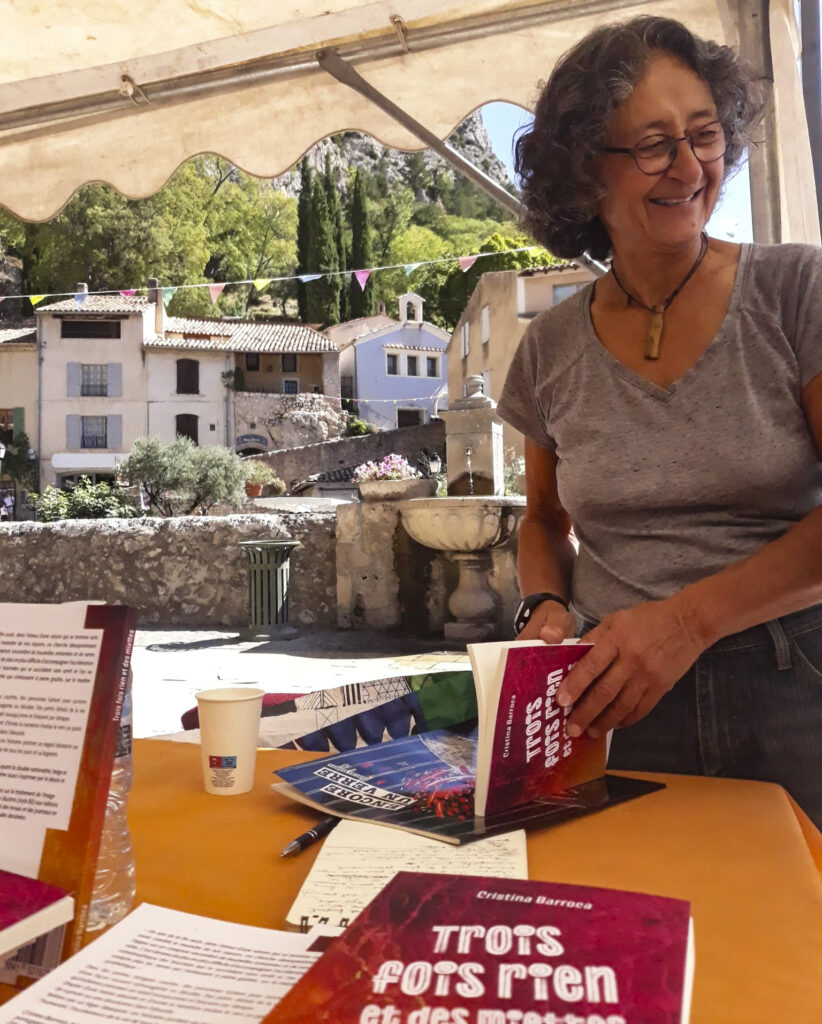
(735, 849)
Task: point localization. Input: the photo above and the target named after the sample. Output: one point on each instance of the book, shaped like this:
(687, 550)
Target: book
(514, 767)
(458, 949)
(62, 686)
(28, 909)
(356, 860)
(165, 965)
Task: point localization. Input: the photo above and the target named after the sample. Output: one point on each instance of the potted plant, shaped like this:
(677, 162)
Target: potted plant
(257, 475)
(391, 479)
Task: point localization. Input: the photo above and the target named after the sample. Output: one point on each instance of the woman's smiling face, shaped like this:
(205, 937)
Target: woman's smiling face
(664, 211)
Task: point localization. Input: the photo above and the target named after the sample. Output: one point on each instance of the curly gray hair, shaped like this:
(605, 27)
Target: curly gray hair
(555, 157)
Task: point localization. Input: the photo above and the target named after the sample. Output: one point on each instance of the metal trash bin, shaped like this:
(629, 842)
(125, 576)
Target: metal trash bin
(269, 570)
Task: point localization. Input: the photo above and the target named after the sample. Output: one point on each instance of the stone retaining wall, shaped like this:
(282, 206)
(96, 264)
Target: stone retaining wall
(296, 464)
(186, 571)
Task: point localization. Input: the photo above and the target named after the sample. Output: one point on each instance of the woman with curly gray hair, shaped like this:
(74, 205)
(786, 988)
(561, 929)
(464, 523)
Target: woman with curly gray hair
(672, 412)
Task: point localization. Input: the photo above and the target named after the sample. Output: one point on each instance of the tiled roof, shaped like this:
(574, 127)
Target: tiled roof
(240, 336)
(99, 304)
(18, 334)
(413, 348)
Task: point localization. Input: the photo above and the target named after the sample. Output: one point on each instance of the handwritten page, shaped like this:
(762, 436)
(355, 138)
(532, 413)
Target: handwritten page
(164, 965)
(357, 859)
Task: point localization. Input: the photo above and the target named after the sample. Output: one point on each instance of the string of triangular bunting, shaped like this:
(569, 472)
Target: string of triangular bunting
(260, 283)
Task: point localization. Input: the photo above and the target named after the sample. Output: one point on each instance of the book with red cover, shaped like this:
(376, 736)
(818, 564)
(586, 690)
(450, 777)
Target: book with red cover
(28, 909)
(448, 949)
(516, 767)
(51, 740)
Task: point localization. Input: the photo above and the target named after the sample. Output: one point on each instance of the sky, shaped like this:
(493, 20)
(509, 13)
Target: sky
(731, 219)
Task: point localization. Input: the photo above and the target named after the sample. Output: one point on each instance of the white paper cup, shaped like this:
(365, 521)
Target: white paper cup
(229, 725)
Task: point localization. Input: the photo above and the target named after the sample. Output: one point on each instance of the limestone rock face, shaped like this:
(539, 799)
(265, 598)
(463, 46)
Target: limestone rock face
(289, 421)
(355, 150)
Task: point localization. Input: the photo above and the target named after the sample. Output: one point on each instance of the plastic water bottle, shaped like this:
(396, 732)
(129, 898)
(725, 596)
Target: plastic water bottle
(114, 882)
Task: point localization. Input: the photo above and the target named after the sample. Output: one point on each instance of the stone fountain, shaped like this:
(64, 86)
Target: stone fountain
(474, 518)
(466, 529)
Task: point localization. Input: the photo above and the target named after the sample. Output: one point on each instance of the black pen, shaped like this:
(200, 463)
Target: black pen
(311, 836)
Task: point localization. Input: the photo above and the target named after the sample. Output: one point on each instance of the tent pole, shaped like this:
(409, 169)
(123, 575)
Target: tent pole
(763, 160)
(330, 61)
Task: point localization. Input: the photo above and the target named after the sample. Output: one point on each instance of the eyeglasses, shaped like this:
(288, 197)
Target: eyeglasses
(655, 154)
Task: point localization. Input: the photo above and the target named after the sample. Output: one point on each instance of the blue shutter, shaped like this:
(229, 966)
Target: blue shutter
(74, 379)
(114, 432)
(74, 432)
(115, 380)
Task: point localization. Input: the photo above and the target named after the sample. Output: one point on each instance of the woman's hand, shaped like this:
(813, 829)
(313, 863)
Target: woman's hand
(550, 622)
(639, 654)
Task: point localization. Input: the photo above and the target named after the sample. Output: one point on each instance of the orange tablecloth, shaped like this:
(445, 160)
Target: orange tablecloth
(736, 850)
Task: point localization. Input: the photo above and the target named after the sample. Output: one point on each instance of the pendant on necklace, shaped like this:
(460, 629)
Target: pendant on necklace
(654, 337)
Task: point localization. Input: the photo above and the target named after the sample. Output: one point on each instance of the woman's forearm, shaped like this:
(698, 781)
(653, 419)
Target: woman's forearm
(783, 577)
(545, 559)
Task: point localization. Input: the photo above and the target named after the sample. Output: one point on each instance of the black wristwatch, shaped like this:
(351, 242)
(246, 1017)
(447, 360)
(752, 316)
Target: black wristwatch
(529, 603)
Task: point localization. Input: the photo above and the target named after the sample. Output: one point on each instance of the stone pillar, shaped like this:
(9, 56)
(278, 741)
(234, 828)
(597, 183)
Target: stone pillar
(367, 580)
(473, 443)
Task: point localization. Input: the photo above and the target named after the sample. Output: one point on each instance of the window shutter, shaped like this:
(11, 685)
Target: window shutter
(74, 432)
(74, 379)
(114, 432)
(115, 380)
(18, 421)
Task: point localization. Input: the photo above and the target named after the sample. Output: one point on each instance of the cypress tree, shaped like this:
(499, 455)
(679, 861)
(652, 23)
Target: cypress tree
(335, 216)
(323, 294)
(361, 301)
(303, 234)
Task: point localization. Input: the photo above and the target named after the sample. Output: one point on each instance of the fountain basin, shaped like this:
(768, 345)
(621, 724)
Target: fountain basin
(471, 523)
(466, 528)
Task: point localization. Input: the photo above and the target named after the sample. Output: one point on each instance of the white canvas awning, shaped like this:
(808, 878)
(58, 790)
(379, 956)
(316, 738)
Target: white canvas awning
(106, 90)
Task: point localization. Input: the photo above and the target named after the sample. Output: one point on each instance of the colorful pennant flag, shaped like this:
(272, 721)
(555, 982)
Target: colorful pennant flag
(127, 292)
(261, 282)
(305, 278)
(411, 267)
(80, 298)
(35, 299)
(215, 291)
(362, 277)
(168, 295)
(466, 262)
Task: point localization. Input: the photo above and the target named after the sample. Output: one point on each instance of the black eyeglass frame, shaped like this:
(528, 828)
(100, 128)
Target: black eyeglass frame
(673, 150)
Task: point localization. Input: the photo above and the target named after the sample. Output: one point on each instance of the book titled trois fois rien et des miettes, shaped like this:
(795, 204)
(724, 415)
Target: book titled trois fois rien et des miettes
(450, 949)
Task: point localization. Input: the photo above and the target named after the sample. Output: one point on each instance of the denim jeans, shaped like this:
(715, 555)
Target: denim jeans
(749, 708)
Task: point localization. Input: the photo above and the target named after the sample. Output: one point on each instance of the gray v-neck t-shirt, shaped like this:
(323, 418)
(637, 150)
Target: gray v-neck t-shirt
(667, 485)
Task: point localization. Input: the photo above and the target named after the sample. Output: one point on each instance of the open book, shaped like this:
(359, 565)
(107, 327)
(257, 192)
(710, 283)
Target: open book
(62, 685)
(459, 949)
(515, 767)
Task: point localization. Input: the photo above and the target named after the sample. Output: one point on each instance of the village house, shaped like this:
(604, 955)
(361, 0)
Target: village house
(395, 373)
(114, 368)
(494, 320)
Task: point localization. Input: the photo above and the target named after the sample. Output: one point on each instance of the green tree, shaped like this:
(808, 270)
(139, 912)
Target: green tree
(332, 196)
(179, 478)
(85, 501)
(303, 234)
(323, 294)
(251, 234)
(391, 219)
(361, 300)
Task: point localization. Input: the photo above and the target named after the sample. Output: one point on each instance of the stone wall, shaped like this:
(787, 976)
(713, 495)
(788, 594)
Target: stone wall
(186, 571)
(295, 464)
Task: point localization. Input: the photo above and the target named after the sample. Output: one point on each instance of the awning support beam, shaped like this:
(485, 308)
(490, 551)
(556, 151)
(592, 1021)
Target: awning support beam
(330, 61)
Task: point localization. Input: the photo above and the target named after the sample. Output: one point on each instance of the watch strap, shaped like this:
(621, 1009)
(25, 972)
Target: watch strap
(529, 603)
